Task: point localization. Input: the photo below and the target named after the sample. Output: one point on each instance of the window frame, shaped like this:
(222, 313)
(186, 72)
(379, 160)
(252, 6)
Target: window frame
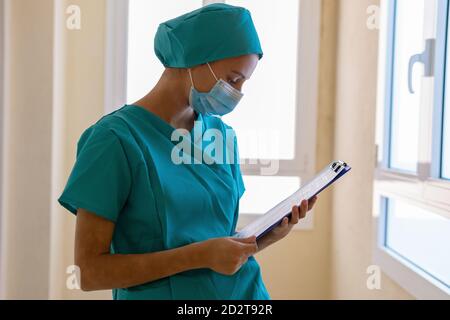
(116, 31)
(441, 97)
(303, 164)
(304, 161)
(424, 188)
(2, 117)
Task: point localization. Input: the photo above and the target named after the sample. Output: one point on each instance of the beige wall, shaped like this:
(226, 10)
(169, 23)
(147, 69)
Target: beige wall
(52, 94)
(327, 262)
(28, 151)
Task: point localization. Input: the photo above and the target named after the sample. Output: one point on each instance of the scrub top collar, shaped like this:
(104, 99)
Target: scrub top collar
(164, 125)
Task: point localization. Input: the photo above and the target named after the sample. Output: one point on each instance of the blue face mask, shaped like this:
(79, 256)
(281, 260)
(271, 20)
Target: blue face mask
(222, 98)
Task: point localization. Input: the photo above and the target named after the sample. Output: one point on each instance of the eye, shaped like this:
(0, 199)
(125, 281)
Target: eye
(233, 81)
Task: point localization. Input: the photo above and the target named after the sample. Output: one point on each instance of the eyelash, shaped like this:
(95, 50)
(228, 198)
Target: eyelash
(232, 82)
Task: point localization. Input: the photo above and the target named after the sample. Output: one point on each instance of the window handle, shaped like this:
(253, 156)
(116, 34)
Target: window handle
(426, 58)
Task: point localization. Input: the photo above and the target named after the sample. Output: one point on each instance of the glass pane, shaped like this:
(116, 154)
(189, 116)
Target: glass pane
(420, 236)
(144, 68)
(409, 27)
(265, 119)
(264, 192)
(446, 137)
(446, 123)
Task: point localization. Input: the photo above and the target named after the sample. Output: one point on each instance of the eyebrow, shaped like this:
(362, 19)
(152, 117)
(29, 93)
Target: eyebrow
(239, 73)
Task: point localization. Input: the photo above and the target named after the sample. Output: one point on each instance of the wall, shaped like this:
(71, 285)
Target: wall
(356, 82)
(27, 155)
(2, 117)
(53, 92)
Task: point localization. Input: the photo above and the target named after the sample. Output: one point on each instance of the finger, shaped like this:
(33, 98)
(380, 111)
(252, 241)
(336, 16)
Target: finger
(303, 209)
(312, 202)
(285, 222)
(283, 225)
(295, 215)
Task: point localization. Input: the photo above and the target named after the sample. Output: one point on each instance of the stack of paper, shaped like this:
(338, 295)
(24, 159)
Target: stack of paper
(274, 216)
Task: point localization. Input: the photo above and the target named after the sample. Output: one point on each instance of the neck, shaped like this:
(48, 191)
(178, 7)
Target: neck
(169, 101)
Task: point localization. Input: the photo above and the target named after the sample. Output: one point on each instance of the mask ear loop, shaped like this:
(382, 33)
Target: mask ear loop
(212, 71)
(190, 76)
(192, 86)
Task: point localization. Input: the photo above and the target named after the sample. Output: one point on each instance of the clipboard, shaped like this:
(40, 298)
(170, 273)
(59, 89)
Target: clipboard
(272, 218)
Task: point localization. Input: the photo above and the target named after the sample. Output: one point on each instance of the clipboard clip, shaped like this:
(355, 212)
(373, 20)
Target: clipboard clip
(337, 166)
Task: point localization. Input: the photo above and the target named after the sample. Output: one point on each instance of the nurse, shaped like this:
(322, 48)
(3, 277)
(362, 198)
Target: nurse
(149, 227)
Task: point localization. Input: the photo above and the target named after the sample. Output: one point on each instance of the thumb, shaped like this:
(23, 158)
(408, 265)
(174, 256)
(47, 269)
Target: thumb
(250, 248)
(251, 239)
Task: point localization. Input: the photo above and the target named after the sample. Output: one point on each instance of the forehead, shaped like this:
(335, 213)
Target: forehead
(243, 64)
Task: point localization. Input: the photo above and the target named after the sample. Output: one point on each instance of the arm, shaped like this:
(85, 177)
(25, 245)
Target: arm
(101, 270)
(278, 233)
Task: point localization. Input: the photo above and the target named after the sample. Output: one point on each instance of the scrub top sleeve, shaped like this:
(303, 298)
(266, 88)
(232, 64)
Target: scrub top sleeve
(100, 180)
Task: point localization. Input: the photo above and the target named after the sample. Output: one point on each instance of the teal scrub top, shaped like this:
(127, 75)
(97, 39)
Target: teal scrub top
(124, 173)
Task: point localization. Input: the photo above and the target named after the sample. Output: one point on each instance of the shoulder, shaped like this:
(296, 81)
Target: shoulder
(113, 136)
(109, 128)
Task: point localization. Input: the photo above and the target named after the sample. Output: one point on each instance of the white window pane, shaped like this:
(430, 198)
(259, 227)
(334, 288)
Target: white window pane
(264, 192)
(446, 132)
(409, 40)
(144, 68)
(446, 138)
(420, 236)
(265, 118)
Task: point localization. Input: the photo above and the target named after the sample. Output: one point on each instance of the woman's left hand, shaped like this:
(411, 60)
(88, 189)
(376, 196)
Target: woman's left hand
(281, 231)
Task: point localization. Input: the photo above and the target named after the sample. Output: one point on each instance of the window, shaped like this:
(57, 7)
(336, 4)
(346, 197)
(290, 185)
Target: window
(411, 196)
(277, 153)
(268, 108)
(420, 236)
(265, 121)
(406, 105)
(446, 140)
(273, 188)
(143, 67)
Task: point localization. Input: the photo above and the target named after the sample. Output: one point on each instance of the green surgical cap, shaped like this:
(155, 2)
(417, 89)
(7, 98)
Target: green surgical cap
(214, 32)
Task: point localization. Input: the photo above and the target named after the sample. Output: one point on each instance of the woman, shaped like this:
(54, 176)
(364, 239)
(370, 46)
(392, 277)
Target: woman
(149, 226)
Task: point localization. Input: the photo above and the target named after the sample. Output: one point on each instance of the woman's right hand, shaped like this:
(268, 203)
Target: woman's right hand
(227, 255)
